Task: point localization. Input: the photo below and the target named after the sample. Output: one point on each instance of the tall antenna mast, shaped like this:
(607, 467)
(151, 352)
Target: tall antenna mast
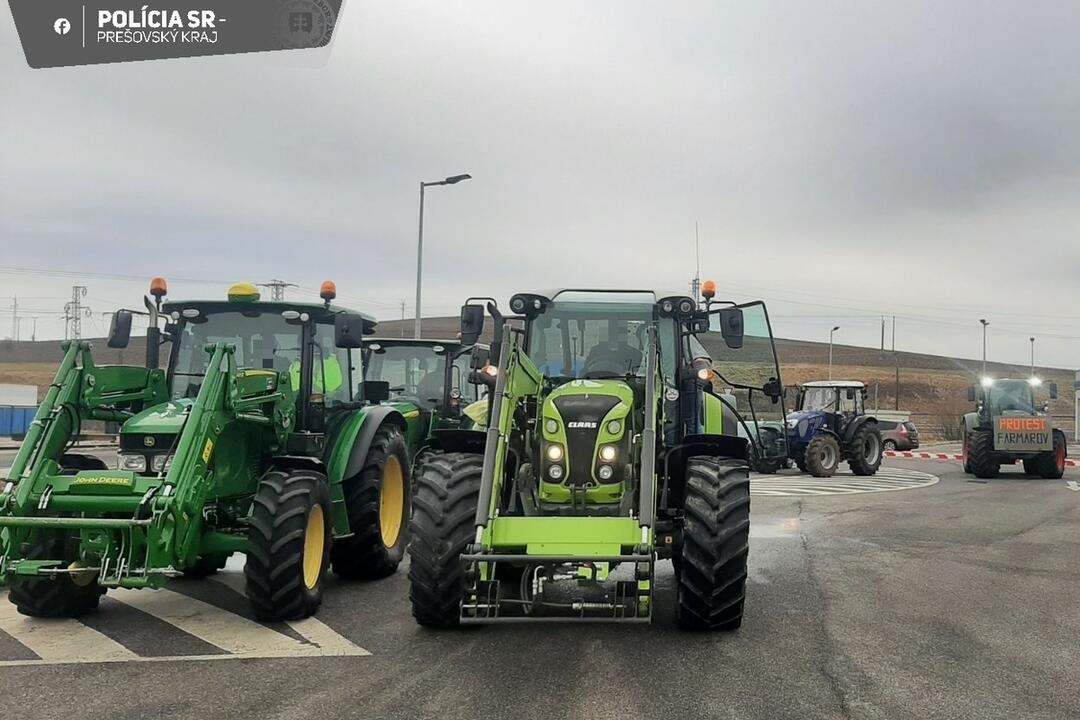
(695, 284)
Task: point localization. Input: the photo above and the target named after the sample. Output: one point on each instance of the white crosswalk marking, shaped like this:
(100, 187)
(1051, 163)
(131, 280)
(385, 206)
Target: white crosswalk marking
(844, 483)
(59, 640)
(63, 641)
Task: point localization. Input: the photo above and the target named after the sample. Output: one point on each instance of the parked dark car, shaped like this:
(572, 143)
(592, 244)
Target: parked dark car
(898, 435)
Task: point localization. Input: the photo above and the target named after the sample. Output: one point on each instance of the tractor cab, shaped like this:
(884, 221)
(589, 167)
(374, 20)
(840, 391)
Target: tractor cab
(431, 374)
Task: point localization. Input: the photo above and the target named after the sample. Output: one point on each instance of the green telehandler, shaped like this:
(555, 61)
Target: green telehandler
(606, 445)
(259, 436)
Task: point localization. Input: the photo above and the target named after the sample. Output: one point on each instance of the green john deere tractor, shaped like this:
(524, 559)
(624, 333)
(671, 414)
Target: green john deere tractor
(258, 437)
(1008, 426)
(605, 446)
(433, 375)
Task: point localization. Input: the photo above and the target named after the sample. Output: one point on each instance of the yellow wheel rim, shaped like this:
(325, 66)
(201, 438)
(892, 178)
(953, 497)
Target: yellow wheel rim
(391, 501)
(82, 579)
(314, 545)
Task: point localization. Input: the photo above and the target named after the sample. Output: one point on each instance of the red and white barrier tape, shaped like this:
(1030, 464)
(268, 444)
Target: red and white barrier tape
(943, 456)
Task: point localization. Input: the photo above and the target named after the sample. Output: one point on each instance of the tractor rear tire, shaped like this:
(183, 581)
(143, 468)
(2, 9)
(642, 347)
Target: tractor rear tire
(1031, 466)
(1051, 465)
(377, 499)
(822, 456)
(288, 544)
(443, 524)
(864, 450)
(985, 464)
(716, 543)
(60, 596)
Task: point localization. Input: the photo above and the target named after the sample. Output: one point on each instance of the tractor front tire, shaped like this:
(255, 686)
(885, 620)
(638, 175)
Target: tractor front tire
(984, 463)
(822, 456)
(1051, 465)
(377, 499)
(716, 543)
(864, 450)
(59, 596)
(288, 544)
(443, 524)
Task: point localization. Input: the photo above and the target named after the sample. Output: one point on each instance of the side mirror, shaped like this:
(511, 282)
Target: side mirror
(1053, 391)
(481, 357)
(698, 325)
(120, 329)
(472, 323)
(348, 330)
(972, 393)
(731, 327)
(375, 391)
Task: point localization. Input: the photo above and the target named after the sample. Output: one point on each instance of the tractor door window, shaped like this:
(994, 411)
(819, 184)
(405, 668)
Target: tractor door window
(331, 371)
(459, 377)
(819, 398)
(849, 404)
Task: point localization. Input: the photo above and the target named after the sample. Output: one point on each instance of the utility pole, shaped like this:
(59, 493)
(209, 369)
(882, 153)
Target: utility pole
(831, 333)
(896, 359)
(74, 312)
(1032, 357)
(695, 284)
(883, 334)
(985, 324)
(401, 330)
(277, 289)
(33, 329)
(15, 318)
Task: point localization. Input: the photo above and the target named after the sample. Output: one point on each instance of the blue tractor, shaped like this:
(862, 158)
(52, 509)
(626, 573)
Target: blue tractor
(830, 425)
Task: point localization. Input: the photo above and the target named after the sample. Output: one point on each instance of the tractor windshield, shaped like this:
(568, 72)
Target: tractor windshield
(600, 336)
(819, 398)
(263, 341)
(415, 372)
(1010, 396)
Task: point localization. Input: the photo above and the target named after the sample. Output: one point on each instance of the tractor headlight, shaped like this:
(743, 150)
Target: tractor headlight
(555, 452)
(131, 461)
(555, 472)
(614, 427)
(161, 462)
(605, 472)
(667, 307)
(551, 426)
(607, 453)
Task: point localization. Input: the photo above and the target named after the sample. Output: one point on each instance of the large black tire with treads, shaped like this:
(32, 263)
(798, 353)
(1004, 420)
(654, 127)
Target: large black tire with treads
(288, 544)
(822, 456)
(377, 499)
(715, 546)
(1051, 465)
(62, 596)
(983, 460)
(863, 451)
(443, 524)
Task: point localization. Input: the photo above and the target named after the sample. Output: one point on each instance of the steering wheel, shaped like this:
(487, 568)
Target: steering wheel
(604, 368)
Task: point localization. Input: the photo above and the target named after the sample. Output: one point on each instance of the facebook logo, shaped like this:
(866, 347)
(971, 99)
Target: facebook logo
(62, 26)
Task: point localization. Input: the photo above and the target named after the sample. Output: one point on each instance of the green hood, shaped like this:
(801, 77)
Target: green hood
(162, 419)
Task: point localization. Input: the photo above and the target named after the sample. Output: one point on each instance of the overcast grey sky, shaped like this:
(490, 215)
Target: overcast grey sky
(844, 160)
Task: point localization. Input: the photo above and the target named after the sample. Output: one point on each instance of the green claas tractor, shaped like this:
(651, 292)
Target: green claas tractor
(259, 437)
(1007, 426)
(433, 375)
(605, 445)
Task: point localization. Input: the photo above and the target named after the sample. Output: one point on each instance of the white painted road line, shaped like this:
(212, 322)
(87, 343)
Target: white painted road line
(1073, 485)
(59, 640)
(886, 480)
(223, 629)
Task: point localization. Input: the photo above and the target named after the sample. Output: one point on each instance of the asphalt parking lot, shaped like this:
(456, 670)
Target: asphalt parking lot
(918, 594)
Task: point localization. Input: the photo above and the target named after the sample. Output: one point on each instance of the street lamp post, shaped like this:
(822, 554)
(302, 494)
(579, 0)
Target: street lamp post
(831, 333)
(985, 324)
(1032, 357)
(452, 180)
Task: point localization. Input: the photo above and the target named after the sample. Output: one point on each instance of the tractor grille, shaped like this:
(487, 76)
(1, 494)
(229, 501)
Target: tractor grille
(147, 443)
(589, 411)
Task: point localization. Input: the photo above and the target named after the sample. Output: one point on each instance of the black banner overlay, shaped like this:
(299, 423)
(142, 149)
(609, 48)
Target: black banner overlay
(58, 33)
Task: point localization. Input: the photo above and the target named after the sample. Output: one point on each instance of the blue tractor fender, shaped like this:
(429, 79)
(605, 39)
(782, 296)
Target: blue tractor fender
(854, 425)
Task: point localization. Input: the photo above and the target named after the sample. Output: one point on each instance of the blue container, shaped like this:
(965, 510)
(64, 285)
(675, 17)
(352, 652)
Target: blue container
(15, 420)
